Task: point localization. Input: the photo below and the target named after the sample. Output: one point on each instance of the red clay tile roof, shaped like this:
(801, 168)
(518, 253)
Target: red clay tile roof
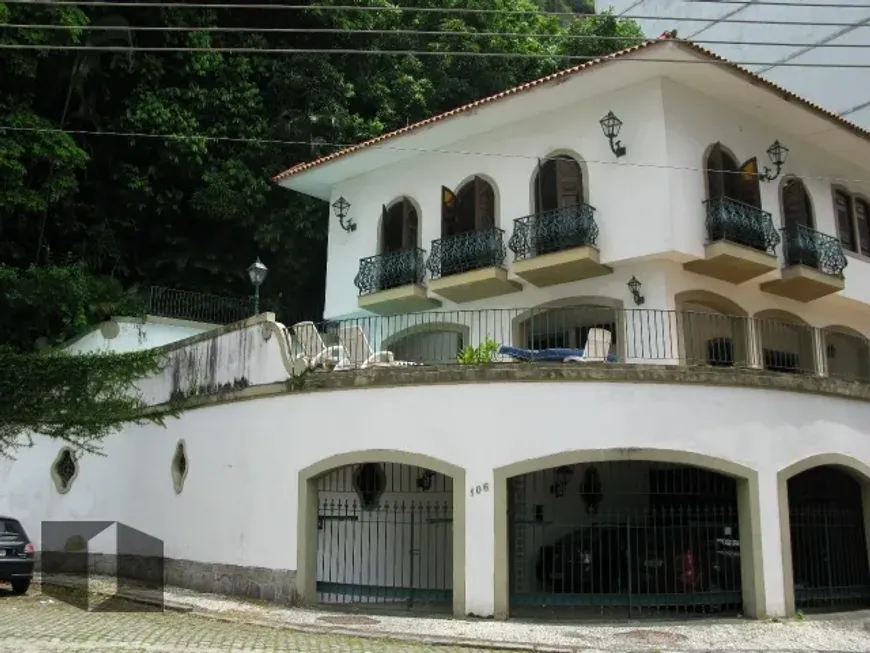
(665, 37)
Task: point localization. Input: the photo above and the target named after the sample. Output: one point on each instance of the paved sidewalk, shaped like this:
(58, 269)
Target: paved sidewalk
(843, 633)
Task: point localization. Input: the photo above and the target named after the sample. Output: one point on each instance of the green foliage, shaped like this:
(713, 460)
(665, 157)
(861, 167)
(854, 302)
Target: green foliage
(78, 399)
(480, 355)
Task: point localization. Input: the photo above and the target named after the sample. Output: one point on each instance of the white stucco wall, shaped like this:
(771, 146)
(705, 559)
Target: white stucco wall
(244, 458)
(124, 334)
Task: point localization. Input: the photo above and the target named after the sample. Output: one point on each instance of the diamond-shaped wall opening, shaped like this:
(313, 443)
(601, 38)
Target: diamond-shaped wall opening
(180, 466)
(64, 470)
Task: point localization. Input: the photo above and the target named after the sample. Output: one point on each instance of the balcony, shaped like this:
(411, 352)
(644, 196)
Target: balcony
(393, 283)
(467, 267)
(557, 246)
(741, 242)
(813, 265)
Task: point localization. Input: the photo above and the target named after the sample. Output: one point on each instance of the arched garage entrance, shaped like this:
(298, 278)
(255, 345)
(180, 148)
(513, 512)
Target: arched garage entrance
(827, 533)
(628, 533)
(382, 528)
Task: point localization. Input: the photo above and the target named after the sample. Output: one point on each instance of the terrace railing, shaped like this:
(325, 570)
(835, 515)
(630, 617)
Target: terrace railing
(630, 336)
(199, 307)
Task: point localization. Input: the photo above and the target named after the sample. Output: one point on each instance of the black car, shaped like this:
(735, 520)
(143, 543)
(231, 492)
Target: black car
(16, 555)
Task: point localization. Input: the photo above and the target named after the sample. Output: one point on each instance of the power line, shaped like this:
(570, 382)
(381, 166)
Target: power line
(415, 150)
(420, 53)
(439, 10)
(408, 32)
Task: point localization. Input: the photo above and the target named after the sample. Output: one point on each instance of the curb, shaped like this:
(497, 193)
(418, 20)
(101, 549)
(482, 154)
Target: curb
(167, 606)
(393, 637)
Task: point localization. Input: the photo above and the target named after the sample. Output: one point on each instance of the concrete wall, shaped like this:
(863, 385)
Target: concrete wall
(245, 457)
(124, 334)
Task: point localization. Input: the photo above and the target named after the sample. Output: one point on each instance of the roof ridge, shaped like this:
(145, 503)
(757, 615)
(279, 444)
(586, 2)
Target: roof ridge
(668, 36)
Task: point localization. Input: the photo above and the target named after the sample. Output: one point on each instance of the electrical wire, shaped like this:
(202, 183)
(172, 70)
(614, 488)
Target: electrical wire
(415, 150)
(408, 32)
(423, 53)
(439, 10)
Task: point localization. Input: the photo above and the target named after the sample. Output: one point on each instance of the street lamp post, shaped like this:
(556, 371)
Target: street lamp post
(257, 274)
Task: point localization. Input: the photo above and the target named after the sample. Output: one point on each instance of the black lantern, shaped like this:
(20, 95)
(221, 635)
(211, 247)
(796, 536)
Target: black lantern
(562, 476)
(341, 207)
(611, 125)
(424, 482)
(777, 153)
(634, 288)
(591, 490)
(257, 274)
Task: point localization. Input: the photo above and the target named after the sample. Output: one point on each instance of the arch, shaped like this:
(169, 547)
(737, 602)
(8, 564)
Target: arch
(795, 203)
(845, 352)
(712, 329)
(428, 342)
(307, 512)
(464, 216)
(563, 154)
(857, 469)
(573, 314)
(787, 341)
(722, 181)
(752, 569)
(399, 225)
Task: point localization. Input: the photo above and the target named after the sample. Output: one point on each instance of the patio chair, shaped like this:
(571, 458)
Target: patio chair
(597, 348)
(314, 350)
(359, 352)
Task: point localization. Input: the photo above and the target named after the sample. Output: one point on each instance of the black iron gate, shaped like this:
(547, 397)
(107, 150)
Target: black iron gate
(392, 546)
(624, 540)
(828, 540)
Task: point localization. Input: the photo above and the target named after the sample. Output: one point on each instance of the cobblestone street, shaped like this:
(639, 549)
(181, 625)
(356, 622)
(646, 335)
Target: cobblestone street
(36, 623)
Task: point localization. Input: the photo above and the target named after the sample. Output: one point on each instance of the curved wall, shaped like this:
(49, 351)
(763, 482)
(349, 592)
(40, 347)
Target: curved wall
(241, 495)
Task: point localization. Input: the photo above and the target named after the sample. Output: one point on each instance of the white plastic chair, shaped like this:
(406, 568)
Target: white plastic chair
(597, 347)
(359, 353)
(314, 349)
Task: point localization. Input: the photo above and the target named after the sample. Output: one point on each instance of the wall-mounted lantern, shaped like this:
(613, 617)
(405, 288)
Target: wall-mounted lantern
(257, 274)
(424, 482)
(611, 125)
(634, 288)
(561, 477)
(341, 207)
(777, 153)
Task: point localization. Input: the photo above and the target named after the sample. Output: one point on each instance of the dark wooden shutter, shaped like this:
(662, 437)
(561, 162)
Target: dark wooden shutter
(861, 218)
(845, 223)
(747, 188)
(449, 226)
(796, 205)
(549, 186)
(539, 191)
(484, 205)
(715, 183)
(569, 182)
(391, 225)
(409, 220)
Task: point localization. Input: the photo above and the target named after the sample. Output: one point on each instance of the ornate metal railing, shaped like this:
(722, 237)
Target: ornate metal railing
(392, 270)
(744, 224)
(554, 231)
(466, 252)
(804, 246)
(199, 307)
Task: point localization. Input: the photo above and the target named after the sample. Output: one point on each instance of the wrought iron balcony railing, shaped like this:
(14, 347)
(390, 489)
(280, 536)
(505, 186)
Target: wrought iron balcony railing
(404, 267)
(466, 252)
(744, 224)
(805, 246)
(199, 307)
(553, 231)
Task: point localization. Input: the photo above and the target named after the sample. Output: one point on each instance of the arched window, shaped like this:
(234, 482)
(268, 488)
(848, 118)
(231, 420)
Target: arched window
(725, 178)
(558, 184)
(470, 209)
(796, 207)
(399, 226)
(853, 214)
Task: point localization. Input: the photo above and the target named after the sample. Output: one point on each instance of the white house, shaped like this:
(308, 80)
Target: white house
(819, 49)
(561, 373)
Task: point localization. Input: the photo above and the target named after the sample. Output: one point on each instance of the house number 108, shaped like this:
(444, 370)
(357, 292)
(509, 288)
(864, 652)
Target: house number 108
(479, 489)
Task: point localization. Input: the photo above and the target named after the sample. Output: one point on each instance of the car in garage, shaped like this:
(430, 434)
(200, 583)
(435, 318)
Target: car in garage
(16, 555)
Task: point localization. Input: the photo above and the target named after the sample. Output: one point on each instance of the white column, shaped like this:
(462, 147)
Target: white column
(479, 543)
(770, 542)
